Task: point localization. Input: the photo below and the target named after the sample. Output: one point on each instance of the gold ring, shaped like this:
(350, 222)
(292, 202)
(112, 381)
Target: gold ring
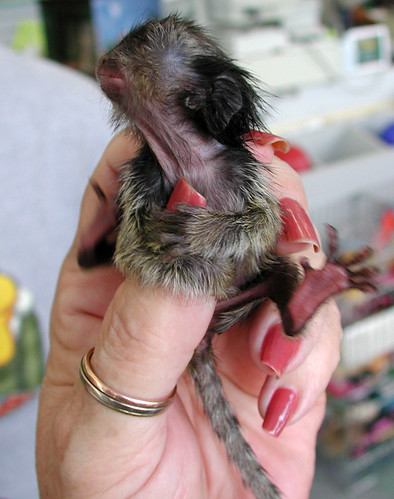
(116, 401)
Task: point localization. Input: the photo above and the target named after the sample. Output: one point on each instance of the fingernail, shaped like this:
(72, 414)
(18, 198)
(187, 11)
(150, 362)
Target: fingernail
(298, 227)
(277, 350)
(264, 138)
(280, 409)
(184, 193)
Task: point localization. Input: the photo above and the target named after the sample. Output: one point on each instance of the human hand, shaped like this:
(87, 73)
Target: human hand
(143, 342)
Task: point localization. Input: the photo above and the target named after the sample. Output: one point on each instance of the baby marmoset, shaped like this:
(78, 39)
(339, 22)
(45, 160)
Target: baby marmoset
(194, 110)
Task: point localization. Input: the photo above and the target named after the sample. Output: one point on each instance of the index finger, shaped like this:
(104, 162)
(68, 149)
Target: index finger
(98, 212)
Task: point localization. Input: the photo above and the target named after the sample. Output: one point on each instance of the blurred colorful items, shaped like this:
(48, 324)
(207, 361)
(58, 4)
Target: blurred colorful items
(112, 19)
(386, 229)
(358, 430)
(360, 412)
(30, 38)
(296, 157)
(353, 304)
(388, 134)
(21, 359)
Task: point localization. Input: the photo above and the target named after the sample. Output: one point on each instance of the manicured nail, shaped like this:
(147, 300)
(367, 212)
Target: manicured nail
(184, 193)
(298, 227)
(277, 350)
(264, 138)
(280, 409)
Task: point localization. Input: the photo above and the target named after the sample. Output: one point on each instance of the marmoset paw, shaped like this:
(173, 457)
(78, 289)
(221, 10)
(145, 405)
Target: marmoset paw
(338, 274)
(360, 274)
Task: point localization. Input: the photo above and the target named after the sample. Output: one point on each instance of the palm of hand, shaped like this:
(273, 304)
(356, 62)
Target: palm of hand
(179, 454)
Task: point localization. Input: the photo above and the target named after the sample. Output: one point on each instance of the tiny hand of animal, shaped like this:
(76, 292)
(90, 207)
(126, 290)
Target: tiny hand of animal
(186, 202)
(196, 251)
(173, 249)
(185, 252)
(188, 225)
(214, 235)
(200, 231)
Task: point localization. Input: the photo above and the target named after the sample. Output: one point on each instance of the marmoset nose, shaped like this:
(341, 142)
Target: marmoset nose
(111, 78)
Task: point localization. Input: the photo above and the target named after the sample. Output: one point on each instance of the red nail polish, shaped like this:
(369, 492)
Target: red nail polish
(298, 227)
(263, 138)
(185, 193)
(277, 350)
(280, 409)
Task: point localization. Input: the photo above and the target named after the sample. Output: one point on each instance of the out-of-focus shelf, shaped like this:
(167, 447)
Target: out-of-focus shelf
(367, 339)
(330, 183)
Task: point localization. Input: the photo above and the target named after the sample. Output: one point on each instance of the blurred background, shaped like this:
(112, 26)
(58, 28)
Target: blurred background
(327, 68)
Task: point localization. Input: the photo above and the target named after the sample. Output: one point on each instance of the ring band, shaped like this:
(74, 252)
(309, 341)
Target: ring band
(116, 401)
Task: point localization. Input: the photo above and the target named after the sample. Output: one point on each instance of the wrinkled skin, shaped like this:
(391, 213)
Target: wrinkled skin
(143, 342)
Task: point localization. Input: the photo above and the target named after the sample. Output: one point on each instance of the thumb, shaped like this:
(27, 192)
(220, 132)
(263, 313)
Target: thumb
(149, 336)
(147, 339)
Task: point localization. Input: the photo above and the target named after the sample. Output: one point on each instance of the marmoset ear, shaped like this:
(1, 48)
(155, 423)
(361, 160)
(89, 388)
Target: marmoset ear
(224, 101)
(216, 102)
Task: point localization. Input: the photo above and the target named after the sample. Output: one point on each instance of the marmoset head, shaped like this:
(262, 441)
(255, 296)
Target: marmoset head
(171, 70)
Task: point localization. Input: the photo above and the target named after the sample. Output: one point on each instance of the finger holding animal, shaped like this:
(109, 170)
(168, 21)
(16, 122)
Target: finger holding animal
(93, 241)
(308, 373)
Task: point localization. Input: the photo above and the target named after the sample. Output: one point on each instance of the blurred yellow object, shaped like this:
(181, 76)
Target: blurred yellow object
(30, 38)
(8, 294)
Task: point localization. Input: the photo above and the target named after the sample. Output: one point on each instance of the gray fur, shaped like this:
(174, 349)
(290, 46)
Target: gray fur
(209, 386)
